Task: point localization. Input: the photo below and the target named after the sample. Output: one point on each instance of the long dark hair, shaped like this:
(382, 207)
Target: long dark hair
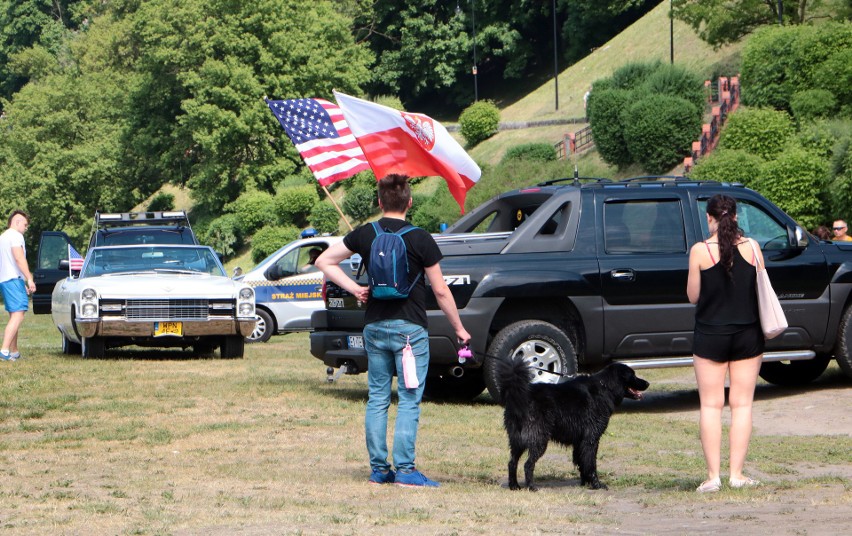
(724, 208)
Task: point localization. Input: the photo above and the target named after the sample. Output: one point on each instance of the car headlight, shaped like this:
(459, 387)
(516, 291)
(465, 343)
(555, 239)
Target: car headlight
(89, 303)
(246, 293)
(246, 309)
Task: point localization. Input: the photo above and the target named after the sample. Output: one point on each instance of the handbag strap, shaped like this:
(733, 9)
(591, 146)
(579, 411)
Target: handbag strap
(754, 251)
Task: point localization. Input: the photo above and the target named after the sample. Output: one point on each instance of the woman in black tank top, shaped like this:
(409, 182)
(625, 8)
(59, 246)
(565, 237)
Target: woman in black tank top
(727, 338)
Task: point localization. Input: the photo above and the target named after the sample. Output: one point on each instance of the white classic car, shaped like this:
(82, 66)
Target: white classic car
(155, 295)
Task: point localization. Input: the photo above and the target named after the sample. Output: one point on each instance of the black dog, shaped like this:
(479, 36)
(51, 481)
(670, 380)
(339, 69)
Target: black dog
(575, 413)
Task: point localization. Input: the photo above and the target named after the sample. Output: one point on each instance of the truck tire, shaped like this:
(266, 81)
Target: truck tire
(448, 388)
(93, 347)
(794, 373)
(541, 344)
(203, 348)
(843, 352)
(70, 347)
(263, 328)
(233, 347)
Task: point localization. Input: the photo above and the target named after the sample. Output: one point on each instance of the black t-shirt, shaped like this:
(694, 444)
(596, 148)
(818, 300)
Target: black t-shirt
(422, 252)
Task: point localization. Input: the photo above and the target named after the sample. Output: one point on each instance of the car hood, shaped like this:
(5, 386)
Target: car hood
(162, 286)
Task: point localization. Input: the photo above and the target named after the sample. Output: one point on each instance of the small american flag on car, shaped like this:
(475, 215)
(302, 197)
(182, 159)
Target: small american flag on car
(75, 260)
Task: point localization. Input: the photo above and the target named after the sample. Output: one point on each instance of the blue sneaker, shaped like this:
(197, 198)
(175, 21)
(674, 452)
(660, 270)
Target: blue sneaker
(415, 479)
(15, 356)
(4, 356)
(382, 477)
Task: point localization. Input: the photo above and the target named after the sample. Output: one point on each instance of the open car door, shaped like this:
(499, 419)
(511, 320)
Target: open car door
(53, 248)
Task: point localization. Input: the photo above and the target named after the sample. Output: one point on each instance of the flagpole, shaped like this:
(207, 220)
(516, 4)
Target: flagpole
(337, 207)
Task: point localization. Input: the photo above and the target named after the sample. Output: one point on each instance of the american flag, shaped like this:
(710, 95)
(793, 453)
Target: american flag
(75, 260)
(320, 133)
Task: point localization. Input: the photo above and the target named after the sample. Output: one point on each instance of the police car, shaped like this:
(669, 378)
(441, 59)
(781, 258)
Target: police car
(288, 287)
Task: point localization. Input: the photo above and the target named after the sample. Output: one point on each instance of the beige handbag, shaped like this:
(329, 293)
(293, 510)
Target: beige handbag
(772, 319)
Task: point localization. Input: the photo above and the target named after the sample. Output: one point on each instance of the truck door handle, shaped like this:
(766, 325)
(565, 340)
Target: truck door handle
(623, 275)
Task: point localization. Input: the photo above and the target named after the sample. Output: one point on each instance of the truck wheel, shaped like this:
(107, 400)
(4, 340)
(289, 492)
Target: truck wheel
(794, 373)
(843, 351)
(263, 328)
(541, 344)
(448, 388)
(232, 347)
(93, 347)
(70, 347)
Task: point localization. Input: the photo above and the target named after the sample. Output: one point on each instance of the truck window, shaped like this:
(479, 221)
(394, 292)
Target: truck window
(644, 226)
(755, 222)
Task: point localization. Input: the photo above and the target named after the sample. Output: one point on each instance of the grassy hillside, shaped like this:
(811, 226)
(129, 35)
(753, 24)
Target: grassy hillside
(646, 40)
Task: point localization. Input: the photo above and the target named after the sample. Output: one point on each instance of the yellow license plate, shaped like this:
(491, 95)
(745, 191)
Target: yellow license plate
(165, 329)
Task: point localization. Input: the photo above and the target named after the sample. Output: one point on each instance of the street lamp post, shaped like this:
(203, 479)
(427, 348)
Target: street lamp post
(555, 59)
(473, 24)
(671, 32)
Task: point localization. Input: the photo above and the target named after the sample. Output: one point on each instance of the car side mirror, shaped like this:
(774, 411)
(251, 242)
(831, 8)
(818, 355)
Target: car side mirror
(798, 237)
(64, 264)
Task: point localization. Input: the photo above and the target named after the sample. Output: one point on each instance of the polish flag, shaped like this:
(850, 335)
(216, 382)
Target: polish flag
(409, 144)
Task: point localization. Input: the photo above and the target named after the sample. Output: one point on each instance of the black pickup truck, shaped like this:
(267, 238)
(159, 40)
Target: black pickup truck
(572, 274)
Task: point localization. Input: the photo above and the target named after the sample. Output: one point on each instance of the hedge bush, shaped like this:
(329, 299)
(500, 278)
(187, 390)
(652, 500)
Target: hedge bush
(633, 74)
(812, 104)
(729, 165)
(223, 235)
(325, 218)
(781, 60)
(162, 201)
(605, 108)
(267, 240)
(759, 131)
(253, 210)
(479, 121)
(676, 81)
(796, 181)
(541, 152)
(360, 202)
(659, 131)
(293, 205)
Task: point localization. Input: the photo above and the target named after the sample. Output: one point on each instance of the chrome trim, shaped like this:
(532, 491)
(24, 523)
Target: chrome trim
(686, 361)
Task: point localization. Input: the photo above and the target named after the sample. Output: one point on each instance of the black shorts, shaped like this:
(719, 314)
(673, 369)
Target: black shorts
(742, 344)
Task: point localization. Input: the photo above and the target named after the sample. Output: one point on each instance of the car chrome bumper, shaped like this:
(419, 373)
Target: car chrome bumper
(120, 327)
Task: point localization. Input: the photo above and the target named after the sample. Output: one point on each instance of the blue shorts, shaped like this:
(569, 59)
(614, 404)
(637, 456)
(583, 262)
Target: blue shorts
(15, 295)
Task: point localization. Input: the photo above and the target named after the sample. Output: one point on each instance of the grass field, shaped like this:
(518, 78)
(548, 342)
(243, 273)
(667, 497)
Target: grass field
(160, 443)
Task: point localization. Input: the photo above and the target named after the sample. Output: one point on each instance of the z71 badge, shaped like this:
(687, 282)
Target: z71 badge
(457, 280)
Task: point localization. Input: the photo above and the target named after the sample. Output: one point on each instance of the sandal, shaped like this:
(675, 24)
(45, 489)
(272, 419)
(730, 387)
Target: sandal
(744, 482)
(710, 486)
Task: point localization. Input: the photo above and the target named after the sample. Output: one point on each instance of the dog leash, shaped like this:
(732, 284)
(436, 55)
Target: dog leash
(466, 353)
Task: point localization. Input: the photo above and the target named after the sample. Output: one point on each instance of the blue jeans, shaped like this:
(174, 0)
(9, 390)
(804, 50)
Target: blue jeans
(384, 341)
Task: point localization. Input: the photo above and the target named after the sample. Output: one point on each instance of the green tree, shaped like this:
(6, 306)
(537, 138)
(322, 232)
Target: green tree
(199, 117)
(720, 22)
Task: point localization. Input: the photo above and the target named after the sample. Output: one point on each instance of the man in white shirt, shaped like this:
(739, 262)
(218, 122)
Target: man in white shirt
(16, 281)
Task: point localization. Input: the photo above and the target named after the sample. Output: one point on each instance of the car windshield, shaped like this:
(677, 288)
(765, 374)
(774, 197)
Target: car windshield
(117, 260)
